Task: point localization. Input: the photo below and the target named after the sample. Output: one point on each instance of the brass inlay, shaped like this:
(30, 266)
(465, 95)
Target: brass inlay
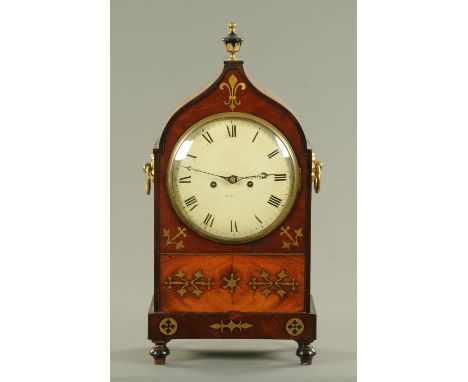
(269, 284)
(231, 325)
(293, 241)
(168, 326)
(183, 283)
(172, 240)
(232, 101)
(294, 326)
(231, 283)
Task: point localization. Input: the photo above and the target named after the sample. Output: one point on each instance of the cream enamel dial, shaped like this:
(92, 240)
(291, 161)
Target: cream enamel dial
(232, 178)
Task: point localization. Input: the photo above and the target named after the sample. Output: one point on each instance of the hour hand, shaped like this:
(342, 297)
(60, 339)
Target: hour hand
(262, 175)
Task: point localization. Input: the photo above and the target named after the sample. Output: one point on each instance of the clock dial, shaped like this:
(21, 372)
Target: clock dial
(233, 178)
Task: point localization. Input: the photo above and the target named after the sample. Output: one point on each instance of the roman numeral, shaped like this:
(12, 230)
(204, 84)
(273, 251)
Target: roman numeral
(192, 156)
(209, 220)
(274, 201)
(185, 179)
(255, 137)
(191, 201)
(208, 137)
(280, 177)
(232, 131)
(256, 217)
(234, 226)
(273, 153)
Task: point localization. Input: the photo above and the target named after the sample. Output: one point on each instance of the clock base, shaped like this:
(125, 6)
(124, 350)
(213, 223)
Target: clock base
(297, 326)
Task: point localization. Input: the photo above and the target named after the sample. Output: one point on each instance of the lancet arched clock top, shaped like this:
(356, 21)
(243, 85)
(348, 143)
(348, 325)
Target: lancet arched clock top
(233, 176)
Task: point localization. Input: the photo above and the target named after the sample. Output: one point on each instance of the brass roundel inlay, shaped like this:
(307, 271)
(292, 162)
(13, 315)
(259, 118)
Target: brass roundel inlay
(294, 326)
(168, 326)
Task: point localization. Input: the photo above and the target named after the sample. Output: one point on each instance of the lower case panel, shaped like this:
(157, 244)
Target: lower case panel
(220, 283)
(232, 325)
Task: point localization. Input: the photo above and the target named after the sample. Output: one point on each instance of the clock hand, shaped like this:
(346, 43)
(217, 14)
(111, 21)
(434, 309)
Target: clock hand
(228, 178)
(262, 175)
(232, 178)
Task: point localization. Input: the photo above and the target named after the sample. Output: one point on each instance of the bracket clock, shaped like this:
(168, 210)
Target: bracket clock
(233, 178)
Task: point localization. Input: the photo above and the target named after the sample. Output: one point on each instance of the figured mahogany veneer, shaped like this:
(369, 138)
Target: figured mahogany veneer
(190, 271)
(212, 291)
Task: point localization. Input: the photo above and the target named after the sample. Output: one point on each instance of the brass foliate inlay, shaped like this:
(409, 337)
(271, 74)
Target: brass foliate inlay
(168, 326)
(268, 285)
(291, 241)
(197, 284)
(232, 87)
(231, 325)
(231, 283)
(176, 238)
(294, 326)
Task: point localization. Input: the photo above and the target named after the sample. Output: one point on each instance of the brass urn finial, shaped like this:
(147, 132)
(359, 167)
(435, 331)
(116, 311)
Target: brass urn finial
(232, 41)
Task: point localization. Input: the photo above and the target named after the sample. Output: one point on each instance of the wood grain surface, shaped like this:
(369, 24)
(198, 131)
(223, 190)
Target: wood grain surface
(199, 253)
(263, 326)
(179, 295)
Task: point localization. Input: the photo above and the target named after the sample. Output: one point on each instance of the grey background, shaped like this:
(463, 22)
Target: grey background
(302, 51)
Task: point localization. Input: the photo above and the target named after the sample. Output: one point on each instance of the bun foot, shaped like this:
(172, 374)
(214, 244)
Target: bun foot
(159, 352)
(305, 352)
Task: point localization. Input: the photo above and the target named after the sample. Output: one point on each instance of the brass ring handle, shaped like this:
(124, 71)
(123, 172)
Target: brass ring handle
(148, 169)
(317, 178)
(316, 172)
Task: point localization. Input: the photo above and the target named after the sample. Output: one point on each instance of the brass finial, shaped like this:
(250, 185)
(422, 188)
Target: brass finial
(232, 41)
(232, 27)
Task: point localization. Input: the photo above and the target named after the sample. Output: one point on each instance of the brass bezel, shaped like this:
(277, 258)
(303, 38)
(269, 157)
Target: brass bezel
(287, 207)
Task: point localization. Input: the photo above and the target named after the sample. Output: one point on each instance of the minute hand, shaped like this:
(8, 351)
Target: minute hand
(190, 168)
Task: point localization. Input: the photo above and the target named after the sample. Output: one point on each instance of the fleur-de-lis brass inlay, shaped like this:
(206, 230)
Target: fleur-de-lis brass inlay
(231, 283)
(293, 241)
(232, 101)
(173, 240)
(295, 326)
(280, 283)
(231, 325)
(185, 284)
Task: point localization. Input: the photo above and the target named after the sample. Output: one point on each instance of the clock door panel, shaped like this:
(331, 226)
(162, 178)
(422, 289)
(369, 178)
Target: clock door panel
(219, 283)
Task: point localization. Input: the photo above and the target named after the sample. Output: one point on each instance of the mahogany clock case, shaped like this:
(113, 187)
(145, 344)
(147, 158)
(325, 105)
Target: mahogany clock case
(305, 52)
(215, 306)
